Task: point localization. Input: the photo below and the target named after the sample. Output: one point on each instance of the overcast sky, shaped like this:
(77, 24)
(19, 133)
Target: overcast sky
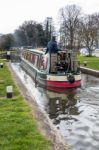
(14, 12)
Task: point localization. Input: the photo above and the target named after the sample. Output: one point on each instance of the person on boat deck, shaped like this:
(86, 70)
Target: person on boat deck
(51, 49)
(52, 46)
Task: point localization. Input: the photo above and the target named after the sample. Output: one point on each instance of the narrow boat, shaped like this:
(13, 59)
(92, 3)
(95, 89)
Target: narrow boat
(58, 70)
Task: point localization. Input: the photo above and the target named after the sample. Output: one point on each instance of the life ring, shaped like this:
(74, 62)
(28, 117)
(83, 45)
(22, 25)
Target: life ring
(71, 78)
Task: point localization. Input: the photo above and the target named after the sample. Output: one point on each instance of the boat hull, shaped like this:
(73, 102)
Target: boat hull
(63, 84)
(51, 81)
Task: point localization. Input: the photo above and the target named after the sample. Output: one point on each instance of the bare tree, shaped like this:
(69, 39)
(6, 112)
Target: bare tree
(96, 17)
(90, 31)
(69, 18)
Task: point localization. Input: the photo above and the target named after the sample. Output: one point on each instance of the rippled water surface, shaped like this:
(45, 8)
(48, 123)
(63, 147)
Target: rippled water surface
(75, 113)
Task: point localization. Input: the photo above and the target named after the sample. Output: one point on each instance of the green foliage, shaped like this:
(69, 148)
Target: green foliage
(6, 41)
(30, 34)
(5, 77)
(92, 61)
(18, 129)
(34, 34)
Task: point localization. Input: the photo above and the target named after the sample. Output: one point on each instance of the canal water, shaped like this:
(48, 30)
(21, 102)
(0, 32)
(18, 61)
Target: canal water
(75, 113)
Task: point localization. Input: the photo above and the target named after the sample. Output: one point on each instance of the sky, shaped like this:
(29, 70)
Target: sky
(14, 12)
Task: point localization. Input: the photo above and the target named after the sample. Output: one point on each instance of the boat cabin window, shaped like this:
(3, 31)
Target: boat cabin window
(43, 62)
(36, 61)
(26, 55)
(31, 57)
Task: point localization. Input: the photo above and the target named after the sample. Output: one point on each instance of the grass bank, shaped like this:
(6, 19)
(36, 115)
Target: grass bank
(18, 129)
(92, 62)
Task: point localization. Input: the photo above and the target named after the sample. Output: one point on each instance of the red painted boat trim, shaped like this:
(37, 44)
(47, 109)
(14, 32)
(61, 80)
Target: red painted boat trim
(58, 84)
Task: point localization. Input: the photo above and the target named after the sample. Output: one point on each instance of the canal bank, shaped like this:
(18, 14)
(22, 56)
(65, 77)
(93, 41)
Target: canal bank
(43, 122)
(90, 71)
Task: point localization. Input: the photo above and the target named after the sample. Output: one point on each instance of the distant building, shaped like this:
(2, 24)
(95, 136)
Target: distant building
(84, 52)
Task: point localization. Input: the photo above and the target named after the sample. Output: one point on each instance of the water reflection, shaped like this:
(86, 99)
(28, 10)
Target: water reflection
(75, 114)
(89, 81)
(62, 105)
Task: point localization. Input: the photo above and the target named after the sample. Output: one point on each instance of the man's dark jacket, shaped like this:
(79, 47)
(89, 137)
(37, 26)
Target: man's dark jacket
(51, 47)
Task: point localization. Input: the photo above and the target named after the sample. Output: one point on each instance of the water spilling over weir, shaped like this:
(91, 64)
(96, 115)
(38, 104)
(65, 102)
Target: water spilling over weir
(74, 113)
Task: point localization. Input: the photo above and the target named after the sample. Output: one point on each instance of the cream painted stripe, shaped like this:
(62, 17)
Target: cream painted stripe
(77, 77)
(61, 78)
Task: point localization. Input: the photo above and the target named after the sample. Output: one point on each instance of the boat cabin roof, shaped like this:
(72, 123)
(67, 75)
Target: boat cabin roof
(35, 51)
(42, 52)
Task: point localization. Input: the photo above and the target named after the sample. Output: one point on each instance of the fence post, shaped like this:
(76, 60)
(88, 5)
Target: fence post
(1, 65)
(9, 90)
